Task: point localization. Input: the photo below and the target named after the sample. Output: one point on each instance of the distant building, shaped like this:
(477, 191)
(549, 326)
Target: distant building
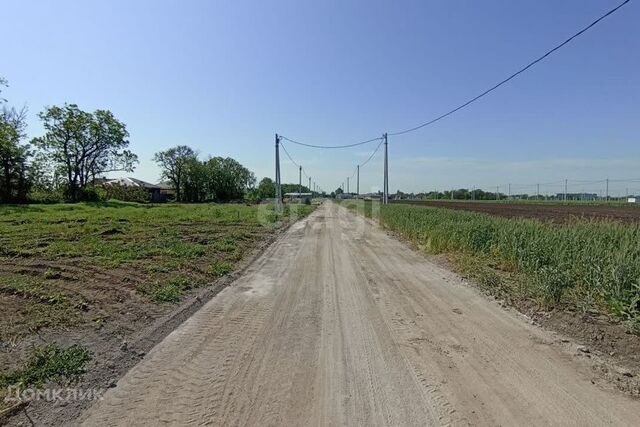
(632, 200)
(300, 196)
(100, 180)
(371, 196)
(167, 190)
(153, 189)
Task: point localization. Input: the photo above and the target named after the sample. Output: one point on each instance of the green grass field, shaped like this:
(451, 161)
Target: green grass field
(592, 264)
(108, 269)
(59, 261)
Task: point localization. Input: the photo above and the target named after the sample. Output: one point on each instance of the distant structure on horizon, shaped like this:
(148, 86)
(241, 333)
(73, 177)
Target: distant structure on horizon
(158, 192)
(578, 196)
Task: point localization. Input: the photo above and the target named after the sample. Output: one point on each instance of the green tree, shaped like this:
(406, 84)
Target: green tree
(228, 179)
(82, 145)
(14, 154)
(195, 184)
(293, 188)
(266, 188)
(176, 163)
(216, 179)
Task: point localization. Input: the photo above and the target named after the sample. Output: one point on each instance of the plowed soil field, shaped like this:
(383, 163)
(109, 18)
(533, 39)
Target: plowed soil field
(546, 212)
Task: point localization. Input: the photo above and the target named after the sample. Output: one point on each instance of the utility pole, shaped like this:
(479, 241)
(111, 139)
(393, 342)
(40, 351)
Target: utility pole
(452, 194)
(607, 189)
(538, 192)
(473, 193)
(566, 185)
(358, 181)
(278, 189)
(310, 186)
(497, 192)
(509, 191)
(385, 192)
(300, 185)
(347, 185)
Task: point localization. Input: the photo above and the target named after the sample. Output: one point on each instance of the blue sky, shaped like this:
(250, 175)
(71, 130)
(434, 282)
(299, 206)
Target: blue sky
(223, 77)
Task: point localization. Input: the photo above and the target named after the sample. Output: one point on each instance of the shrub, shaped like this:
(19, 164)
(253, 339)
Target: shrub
(127, 193)
(89, 193)
(46, 196)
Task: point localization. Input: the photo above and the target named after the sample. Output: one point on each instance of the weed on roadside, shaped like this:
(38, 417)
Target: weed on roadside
(219, 268)
(49, 363)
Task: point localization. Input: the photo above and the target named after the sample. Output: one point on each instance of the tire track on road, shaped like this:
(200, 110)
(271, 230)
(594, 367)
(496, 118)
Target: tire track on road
(337, 323)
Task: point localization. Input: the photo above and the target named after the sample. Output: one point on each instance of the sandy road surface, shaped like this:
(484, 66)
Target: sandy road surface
(339, 324)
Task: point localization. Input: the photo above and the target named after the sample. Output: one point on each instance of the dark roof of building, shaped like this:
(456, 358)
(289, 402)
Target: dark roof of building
(166, 185)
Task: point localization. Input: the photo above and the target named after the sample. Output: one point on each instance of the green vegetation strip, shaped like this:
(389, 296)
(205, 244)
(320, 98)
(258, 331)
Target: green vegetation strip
(49, 363)
(68, 262)
(593, 264)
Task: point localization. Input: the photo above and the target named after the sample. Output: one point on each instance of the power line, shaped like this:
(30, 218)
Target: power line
(573, 182)
(331, 146)
(581, 181)
(355, 170)
(460, 107)
(304, 172)
(474, 99)
(289, 155)
(372, 154)
(624, 180)
(512, 76)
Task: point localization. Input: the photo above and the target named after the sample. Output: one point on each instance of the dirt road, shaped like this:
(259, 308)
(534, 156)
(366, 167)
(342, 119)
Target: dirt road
(339, 324)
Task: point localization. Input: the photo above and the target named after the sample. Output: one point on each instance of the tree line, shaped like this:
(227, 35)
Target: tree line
(14, 154)
(214, 179)
(478, 194)
(78, 147)
(195, 180)
(459, 194)
(267, 189)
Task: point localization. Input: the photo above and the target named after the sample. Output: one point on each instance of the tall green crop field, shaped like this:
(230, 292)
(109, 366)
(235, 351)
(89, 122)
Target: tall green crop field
(585, 262)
